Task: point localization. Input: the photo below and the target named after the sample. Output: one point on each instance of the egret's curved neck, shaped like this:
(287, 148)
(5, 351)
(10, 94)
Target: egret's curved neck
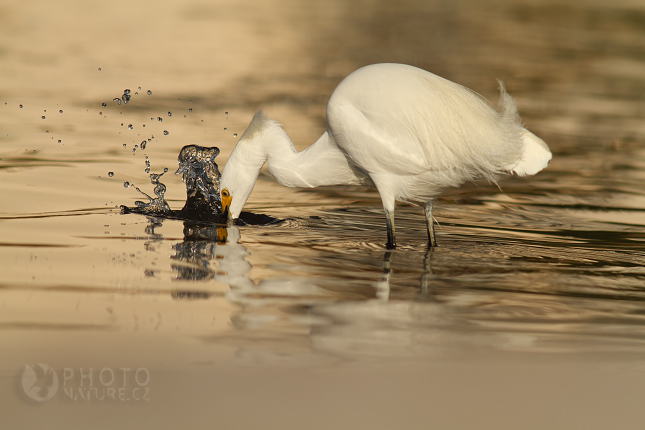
(323, 163)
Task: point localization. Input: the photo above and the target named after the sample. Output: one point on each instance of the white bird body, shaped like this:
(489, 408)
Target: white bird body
(404, 130)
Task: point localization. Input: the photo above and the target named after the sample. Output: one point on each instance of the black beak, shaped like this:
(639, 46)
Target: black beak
(225, 214)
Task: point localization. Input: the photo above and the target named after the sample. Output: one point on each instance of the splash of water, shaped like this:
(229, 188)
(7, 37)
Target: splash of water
(201, 176)
(126, 96)
(155, 206)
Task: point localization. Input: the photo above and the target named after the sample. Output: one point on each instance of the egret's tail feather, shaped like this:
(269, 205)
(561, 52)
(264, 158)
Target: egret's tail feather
(535, 156)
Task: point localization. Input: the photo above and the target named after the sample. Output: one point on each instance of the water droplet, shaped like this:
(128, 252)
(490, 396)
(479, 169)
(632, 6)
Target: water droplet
(20, 106)
(47, 131)
(143, 144)
(110, 174)
(165, 170)
(60, 111)
(126, 184)
(43, 117)
(184, 116)
(225, 113)
(45, 110)
(117, 100)
(191, 101)
(103, 104)
(130, 127)
(234, 134)
(60, 141)
(136, 145)
(100, 113)
(224, 128)
(124, 145)
(149, 92)
(134, 150)
(99, 69)
(139, 87)
(160, 119)
(190, 110)
(136, 94)
(169, 113)
(165, 132)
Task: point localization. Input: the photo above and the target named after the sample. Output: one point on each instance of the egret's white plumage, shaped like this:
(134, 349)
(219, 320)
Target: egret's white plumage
(405, 131)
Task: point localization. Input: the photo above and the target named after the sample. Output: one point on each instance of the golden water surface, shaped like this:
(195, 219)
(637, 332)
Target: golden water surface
(530, 314)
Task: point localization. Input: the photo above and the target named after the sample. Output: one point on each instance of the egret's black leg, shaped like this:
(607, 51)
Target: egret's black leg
(389, 219)
(432, 240)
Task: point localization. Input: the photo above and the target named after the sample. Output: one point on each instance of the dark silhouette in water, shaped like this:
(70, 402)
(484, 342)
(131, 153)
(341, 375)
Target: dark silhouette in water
(201, 176)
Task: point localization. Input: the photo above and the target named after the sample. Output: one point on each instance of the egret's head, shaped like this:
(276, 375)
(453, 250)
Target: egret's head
(236, 184)
(234, 191)
(243, 166)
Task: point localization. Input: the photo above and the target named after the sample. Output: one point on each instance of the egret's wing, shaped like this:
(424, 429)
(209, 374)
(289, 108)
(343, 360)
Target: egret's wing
(380, 145)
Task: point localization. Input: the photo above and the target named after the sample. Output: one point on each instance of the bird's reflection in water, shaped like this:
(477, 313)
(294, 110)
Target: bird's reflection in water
(214, 252)
(197, 249)
(302, 311)
(383, 285)
(328, 317)
(396, 308)
(203, 245)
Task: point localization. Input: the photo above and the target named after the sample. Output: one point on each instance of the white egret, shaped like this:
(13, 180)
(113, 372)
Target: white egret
(401, 129)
